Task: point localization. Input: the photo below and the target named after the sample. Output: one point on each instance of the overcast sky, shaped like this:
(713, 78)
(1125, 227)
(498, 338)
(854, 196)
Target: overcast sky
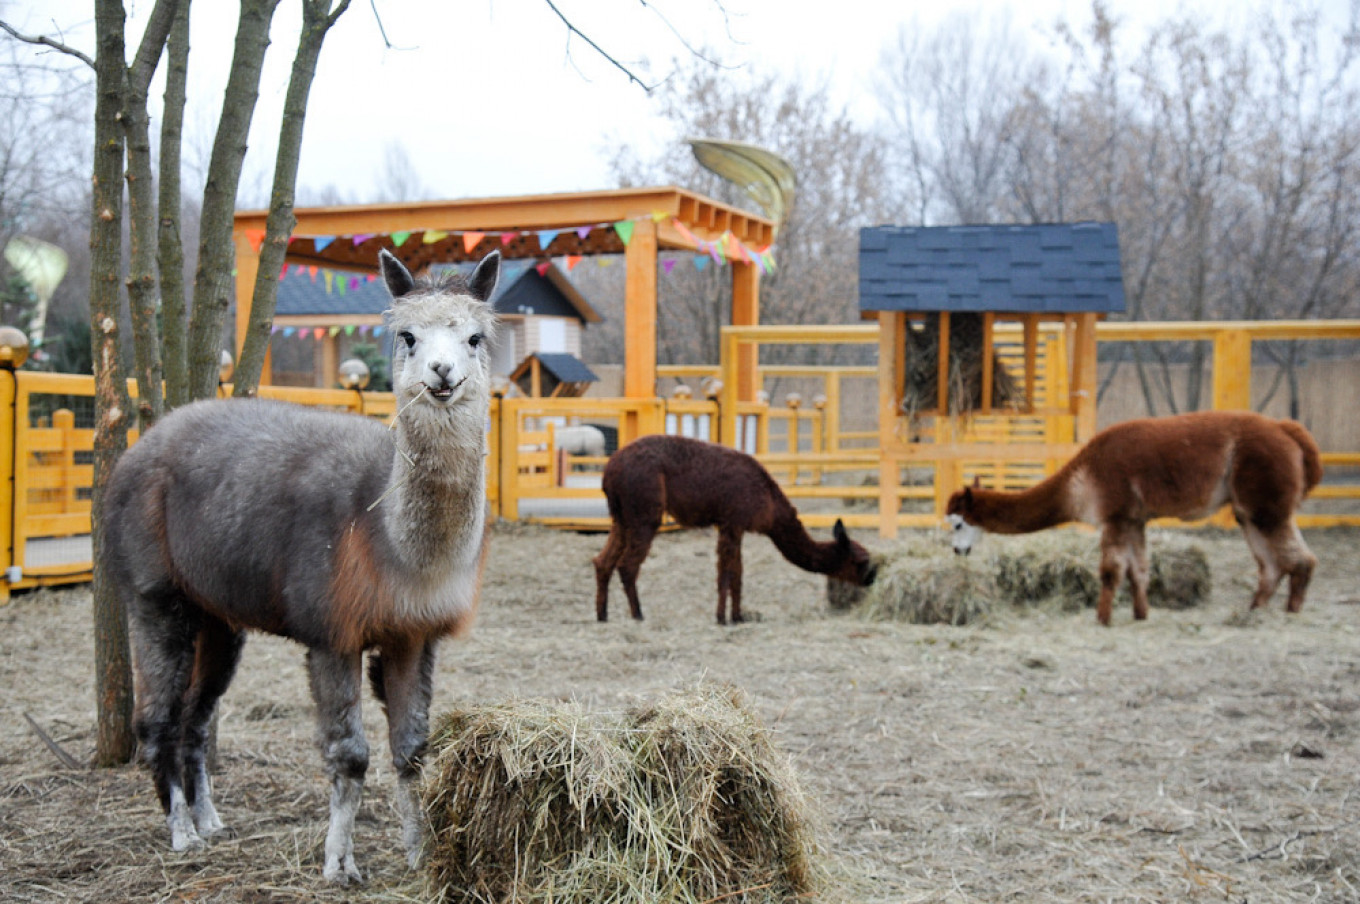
(491, 97)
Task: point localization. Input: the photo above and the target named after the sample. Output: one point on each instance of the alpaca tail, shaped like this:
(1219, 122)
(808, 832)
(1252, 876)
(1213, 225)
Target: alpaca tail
(1312, 458)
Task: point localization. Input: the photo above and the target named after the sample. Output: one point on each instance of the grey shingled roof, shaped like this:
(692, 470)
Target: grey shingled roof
(566, 368)
(1058, 267)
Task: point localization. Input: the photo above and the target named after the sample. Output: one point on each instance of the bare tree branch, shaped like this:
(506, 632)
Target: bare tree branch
(573, 30)
(45, 41)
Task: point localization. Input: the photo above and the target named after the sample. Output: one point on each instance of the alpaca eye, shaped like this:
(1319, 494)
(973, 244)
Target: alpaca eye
(406, 337)
(475, 340)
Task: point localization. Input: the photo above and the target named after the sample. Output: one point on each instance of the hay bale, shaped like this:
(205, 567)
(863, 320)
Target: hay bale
(1179, 576)
(1055, 568)
(684, 800)
(927, 589)
(1062, 568)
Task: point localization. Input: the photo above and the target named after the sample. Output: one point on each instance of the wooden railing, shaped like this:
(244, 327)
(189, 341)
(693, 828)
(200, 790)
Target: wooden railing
(46, 442)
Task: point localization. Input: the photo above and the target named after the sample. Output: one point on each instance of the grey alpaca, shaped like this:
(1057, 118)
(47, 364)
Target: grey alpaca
(323, 527)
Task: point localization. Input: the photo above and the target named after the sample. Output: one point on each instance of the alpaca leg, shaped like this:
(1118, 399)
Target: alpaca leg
(1113, 564)
(1302, 562)
(1268, 566)
(162, 632)
(219, 651)
(1137, 558)
(729, 575)
(335, 688)
(636, 547)
(605, 564)
(403, 679)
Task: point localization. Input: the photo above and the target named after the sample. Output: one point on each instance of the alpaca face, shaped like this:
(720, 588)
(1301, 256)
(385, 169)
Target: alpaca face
(965, 534)
(441, 333)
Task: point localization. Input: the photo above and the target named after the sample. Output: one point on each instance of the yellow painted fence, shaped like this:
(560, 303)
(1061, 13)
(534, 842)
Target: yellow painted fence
(825, 445)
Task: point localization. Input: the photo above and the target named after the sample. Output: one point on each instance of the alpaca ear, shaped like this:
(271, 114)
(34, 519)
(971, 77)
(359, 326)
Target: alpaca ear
(484, 278)
(977, 482)
(967, 499)
(838, 531)
(395, 274)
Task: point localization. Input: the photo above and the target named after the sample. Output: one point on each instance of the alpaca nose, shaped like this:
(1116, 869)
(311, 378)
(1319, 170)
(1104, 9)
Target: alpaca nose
(442, 370)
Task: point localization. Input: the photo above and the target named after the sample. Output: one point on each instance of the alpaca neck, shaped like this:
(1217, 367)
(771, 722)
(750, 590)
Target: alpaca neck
(795, 544)
(1042, 506)
(436, 506)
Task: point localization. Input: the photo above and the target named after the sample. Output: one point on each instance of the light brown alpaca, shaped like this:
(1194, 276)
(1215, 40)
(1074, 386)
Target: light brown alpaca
(1187, 466)
(700, 485)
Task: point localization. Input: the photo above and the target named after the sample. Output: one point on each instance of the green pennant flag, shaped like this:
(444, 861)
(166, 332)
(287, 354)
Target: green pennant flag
(399, 238)
(625, 230)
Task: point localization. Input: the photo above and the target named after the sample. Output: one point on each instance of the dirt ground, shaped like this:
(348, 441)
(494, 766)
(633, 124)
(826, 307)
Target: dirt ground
(1203, 755)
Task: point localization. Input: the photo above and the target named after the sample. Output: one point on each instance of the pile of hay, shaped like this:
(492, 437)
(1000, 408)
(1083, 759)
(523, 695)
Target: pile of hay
(921, 586)
(1179, 575)
(1057, 568)
(1062, 568)
(686, 800)
(928, 584)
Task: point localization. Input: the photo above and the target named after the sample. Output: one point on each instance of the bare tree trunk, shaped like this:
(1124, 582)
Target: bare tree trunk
(174, 312)
(113, 662)
(141, 282)
(316, 22)
(212, 281)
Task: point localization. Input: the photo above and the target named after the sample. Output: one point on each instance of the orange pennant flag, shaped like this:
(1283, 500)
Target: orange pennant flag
(572, 261)
(255, 237)
(471, 240)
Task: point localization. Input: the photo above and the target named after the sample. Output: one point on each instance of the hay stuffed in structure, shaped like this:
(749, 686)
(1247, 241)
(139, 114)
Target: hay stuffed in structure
(686, 800)
(1062, 568)
(930, 589)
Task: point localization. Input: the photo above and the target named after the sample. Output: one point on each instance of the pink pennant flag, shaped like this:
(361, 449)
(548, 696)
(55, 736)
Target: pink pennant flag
(283, 273)
(543, 267)
(572, 261)
(370, 277)
(508, 237)
(668, 266)
(471, 240)
(684, 231)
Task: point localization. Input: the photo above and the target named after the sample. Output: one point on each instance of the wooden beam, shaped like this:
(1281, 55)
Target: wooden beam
(942, 373)
(1083, 377)
(247, 266)
(988, 365)
(891, 338)
(639, 318)
(1031, 328)
(1232, 371)
(746, 312)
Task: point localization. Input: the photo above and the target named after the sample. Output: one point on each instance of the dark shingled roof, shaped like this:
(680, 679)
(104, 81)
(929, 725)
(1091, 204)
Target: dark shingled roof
(566, 368)
(1057, 268)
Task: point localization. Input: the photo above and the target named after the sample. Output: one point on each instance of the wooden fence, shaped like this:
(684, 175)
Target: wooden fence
(826, 447)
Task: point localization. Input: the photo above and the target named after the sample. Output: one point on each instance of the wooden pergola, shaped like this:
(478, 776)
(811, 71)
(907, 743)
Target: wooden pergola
(422, 233)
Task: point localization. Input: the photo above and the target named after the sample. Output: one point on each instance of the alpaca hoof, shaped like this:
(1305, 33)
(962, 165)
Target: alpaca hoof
(342, 872)
(186, 841)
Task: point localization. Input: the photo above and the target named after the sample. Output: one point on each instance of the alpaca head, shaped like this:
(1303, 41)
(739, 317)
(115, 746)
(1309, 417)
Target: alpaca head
(959, 513)
(441, 330)
(857, 566)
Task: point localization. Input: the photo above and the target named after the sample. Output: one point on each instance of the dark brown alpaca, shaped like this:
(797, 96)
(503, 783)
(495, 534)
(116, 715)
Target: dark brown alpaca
(1187, 466)
(700, 485)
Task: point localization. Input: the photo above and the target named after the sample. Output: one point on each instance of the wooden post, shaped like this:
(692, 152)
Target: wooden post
(330, 363)
(8, 488)
(891, 372)
(988, 365)
(728, 423)
(1232, 370)
(639, 326)
(1083, 380)
(1031, 322)
(942, 374)
(746, 312)
(247, 266)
